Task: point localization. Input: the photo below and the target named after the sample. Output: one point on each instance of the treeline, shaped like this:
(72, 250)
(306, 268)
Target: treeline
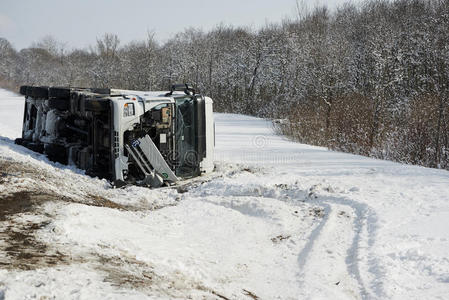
(370, 79)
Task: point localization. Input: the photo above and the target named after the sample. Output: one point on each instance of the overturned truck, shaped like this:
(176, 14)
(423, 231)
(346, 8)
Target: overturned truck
(135, 137)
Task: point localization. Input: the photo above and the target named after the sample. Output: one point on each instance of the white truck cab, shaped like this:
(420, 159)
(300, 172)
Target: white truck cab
(148, 138)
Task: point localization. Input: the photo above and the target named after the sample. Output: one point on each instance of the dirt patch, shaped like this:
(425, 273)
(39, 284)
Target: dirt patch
(19, 202)
(13, 169)
(18, 242)
(99, 201)
(24, 252)
(21, 249)
(130, 273)
(18, 169)
(127, 272)
(137, 275)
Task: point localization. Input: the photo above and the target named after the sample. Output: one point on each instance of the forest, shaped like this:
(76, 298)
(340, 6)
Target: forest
(370, 79)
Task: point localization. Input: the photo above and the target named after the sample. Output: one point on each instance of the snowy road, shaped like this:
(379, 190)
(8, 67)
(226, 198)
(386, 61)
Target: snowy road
(277, 220)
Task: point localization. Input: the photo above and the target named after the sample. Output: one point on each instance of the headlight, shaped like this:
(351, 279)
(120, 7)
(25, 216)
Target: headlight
(128, 110)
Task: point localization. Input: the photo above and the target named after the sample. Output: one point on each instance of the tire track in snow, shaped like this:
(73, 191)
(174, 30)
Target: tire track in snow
(302, 257)
(323, 265)
(363, 225)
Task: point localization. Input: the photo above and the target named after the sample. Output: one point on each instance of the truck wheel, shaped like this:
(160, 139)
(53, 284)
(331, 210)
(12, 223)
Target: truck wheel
(57, 92)
(29, 91)
(59, 104)
(56, 153)
(25, 143)
(39, 92)
(23, 90)
(18, 141)
(36, 147)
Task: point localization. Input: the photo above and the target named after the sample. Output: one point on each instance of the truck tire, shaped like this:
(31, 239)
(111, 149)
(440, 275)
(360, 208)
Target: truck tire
(36, 147)
(23, 90)
(39, 92)
(18, 141)
(56, 153)
(59, 104)
(59, 92)
(29, 91)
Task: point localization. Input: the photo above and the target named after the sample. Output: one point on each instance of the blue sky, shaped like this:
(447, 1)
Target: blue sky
(79, 23)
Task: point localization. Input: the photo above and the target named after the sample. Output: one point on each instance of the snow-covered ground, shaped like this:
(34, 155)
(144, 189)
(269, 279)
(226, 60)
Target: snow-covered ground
(277, 220)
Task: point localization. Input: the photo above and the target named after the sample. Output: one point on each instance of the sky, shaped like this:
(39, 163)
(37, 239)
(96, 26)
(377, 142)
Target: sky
(79, 23)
